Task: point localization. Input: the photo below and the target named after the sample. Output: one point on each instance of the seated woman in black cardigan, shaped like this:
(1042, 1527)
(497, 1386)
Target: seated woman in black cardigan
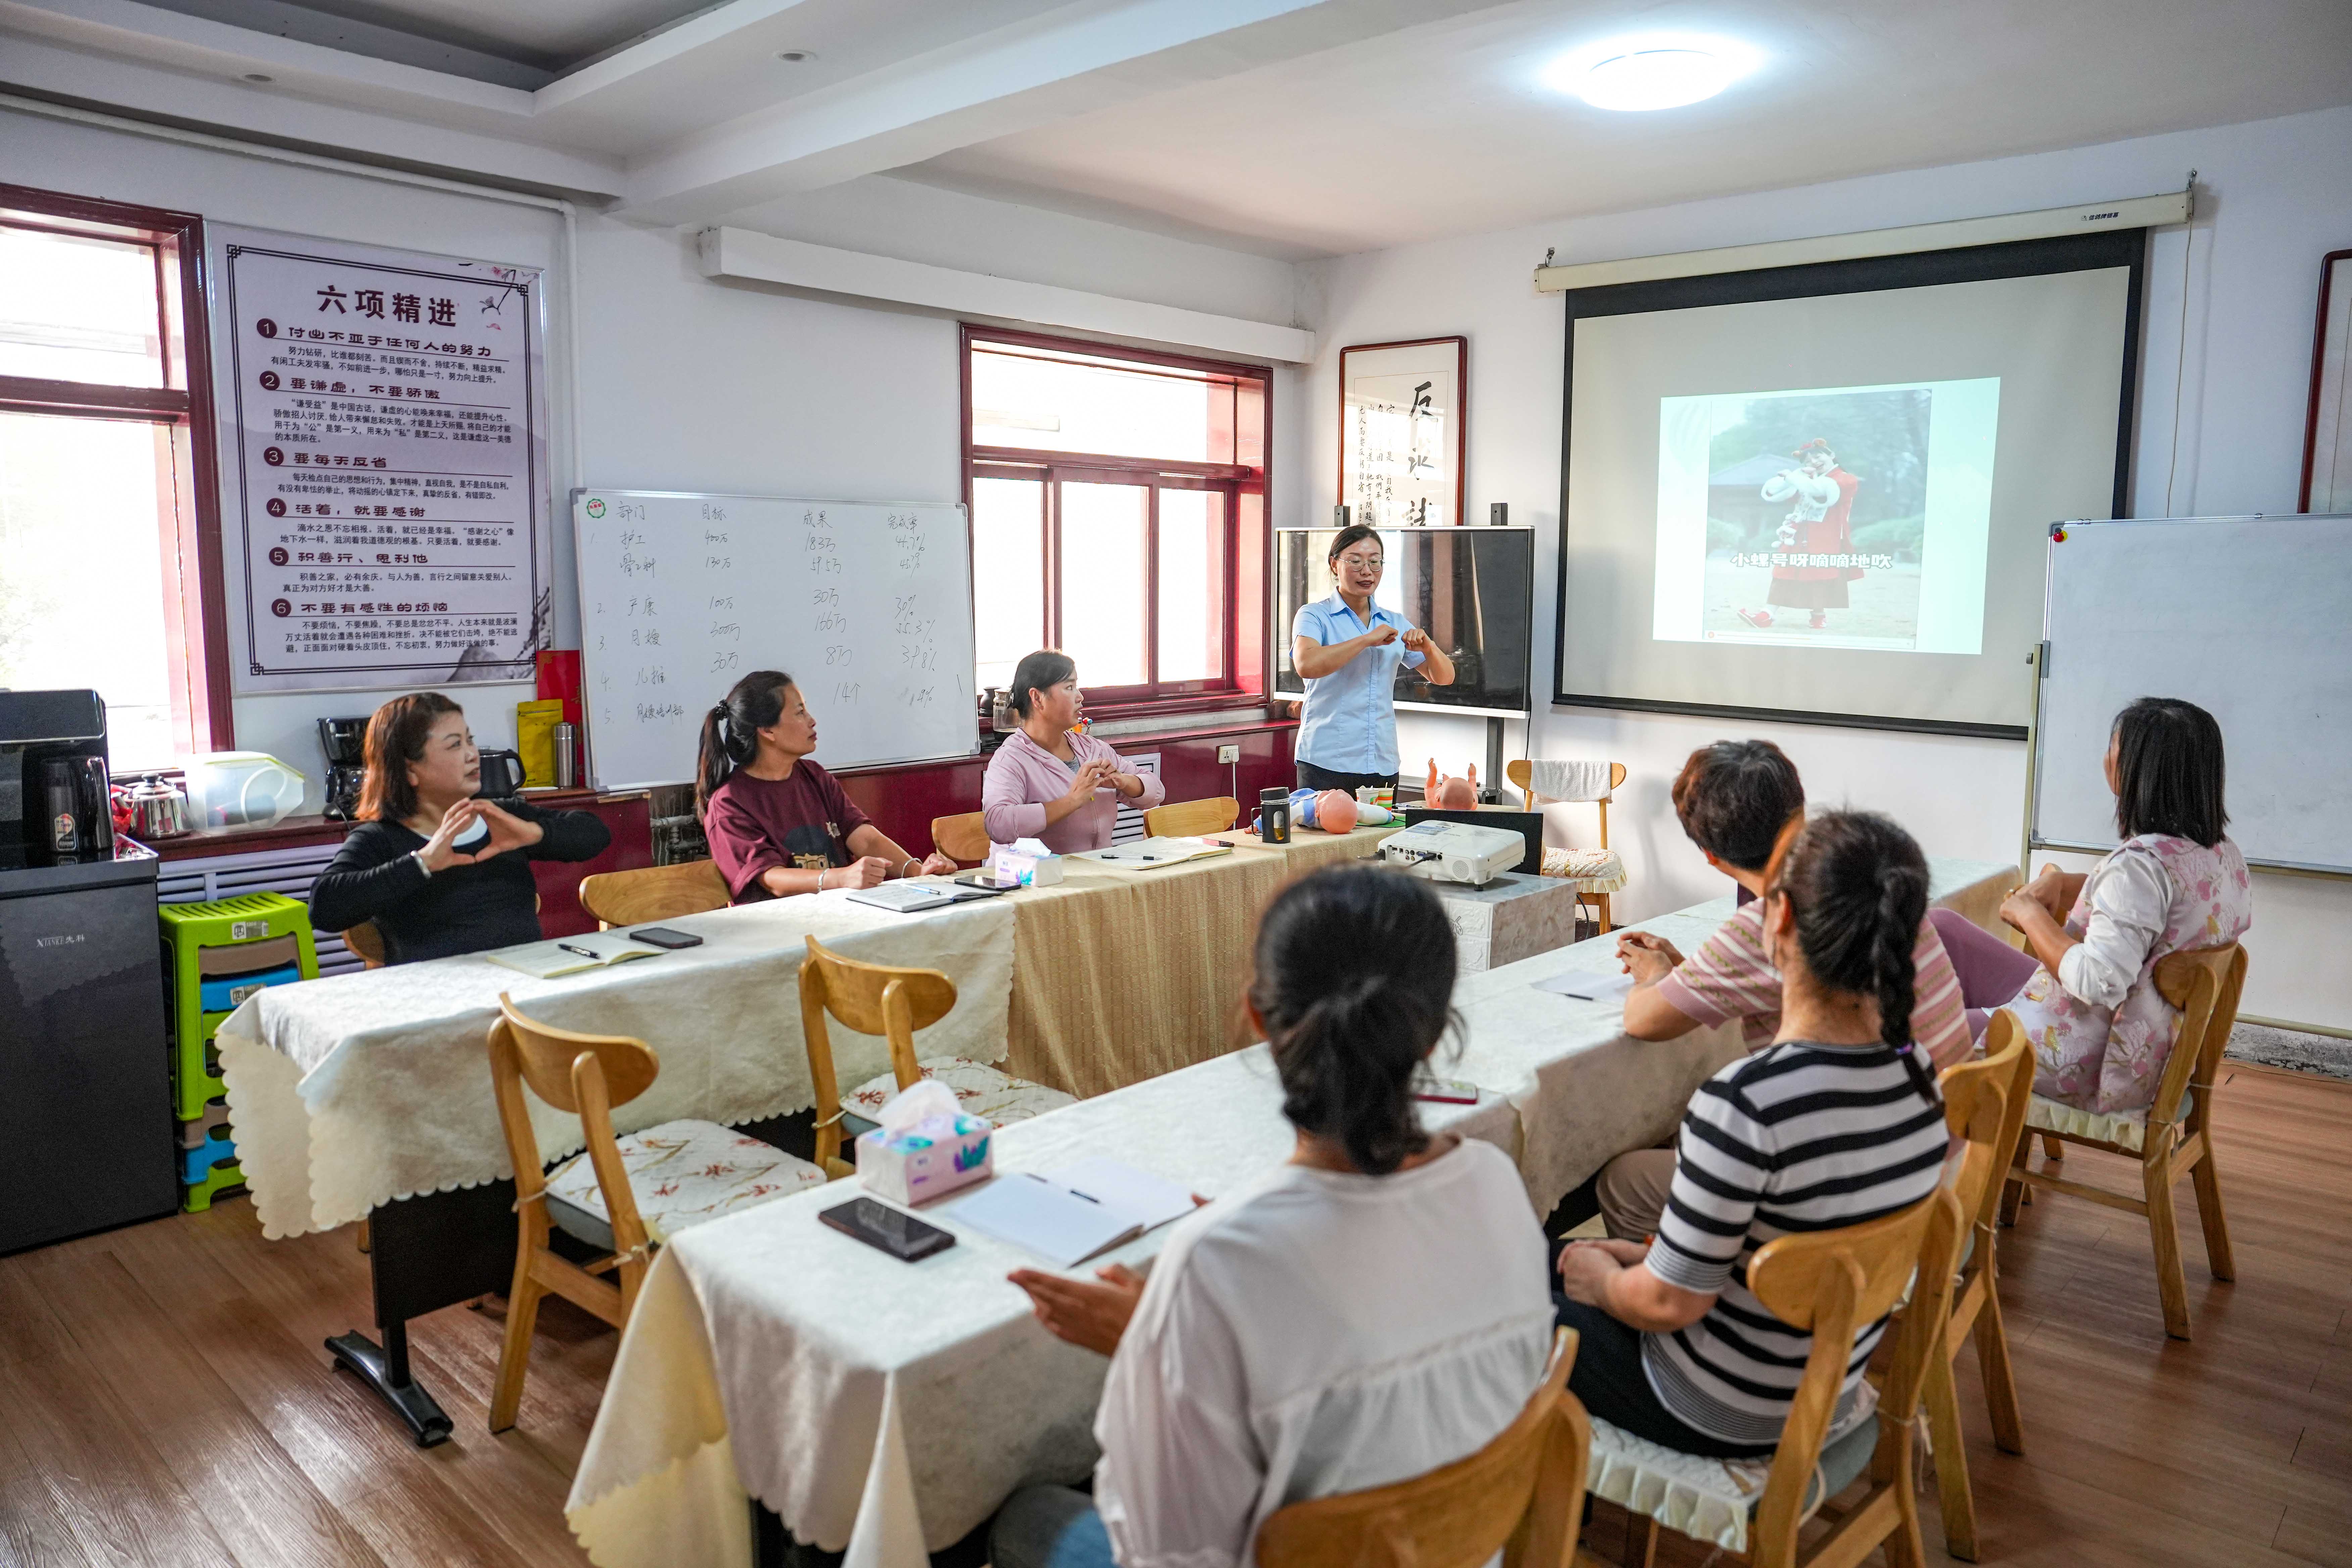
(440, 870)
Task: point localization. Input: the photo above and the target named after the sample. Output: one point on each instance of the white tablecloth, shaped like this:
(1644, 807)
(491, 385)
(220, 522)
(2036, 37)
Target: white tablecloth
(888, 1409)
(355, 1091)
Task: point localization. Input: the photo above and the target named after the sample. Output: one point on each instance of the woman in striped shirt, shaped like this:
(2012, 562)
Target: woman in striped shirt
(1837, 1123)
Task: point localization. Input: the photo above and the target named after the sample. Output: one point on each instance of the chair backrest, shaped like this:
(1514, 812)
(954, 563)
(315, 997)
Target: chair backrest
(653, 893)
(1184, 818)
(585, 1074)
(963, 836)
(873, 999)
(367, 941)
(2204, 983)
(1520, 771)
(1524, 1493)
(1985, 1102)
(1834, 1284)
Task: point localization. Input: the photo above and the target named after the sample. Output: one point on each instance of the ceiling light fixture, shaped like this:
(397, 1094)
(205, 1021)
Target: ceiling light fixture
(1652, 71)
(257, 75)
(797, 57)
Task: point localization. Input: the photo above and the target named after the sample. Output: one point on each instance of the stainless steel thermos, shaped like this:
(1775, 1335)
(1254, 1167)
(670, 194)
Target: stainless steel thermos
(566, 741)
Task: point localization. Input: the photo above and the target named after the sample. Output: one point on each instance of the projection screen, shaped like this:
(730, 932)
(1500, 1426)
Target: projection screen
(1822, 492)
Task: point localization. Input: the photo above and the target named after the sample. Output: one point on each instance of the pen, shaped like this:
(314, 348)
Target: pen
(582, 952)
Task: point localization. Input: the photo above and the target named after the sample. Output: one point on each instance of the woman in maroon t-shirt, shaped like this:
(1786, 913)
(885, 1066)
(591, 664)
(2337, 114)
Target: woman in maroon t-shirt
(777, 824)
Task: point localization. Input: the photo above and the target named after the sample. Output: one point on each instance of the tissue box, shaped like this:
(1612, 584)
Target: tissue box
(1012, 869)
(938, 1156)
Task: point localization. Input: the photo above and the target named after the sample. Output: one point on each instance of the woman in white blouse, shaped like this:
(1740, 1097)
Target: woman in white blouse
(2082, 989)
(1371, 1311)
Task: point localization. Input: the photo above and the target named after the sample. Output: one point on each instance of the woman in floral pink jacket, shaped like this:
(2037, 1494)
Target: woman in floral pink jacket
(2084, 991)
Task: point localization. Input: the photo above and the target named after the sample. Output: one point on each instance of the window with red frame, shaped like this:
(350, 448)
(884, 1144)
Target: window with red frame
(1117, 513)
(105, 451)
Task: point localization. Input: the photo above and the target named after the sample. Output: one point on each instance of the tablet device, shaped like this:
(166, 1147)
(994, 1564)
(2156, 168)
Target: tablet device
(887, 1229)
(662, 936)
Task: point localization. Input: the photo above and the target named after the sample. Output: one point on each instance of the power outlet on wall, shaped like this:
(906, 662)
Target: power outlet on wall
(1229, 753)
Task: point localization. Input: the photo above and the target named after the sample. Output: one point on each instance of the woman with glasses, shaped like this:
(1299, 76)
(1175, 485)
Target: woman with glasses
(1347, 651)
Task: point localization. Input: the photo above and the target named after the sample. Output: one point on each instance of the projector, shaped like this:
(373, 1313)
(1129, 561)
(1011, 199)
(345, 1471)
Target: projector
(1455, 851)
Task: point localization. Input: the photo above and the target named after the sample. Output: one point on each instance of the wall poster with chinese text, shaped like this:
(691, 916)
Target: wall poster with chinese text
(384, 435)
(1400, 432)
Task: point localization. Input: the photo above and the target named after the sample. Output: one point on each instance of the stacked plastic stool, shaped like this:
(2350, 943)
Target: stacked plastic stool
(220, 953)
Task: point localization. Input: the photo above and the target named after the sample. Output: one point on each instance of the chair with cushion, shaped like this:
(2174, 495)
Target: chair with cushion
(962, 838)
(653, 893)
(2169, 1139)
(875, 999)
(1189, 818)
(1831, 1284)
(1598, 872)
(1522, 1495)
(1984, 1103)
(622, 1197)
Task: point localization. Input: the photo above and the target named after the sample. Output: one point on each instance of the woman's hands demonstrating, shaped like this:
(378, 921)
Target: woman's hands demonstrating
(1090, 1313)
(1648, 959)
(1092, 776)
(506, 830)
(1417, 640)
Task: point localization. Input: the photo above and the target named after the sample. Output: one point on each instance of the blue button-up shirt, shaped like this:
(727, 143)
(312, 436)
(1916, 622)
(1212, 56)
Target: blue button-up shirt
(1348, 723)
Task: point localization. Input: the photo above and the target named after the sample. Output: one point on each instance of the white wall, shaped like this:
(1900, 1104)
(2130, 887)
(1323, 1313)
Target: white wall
(2272, 197)
(683, 382)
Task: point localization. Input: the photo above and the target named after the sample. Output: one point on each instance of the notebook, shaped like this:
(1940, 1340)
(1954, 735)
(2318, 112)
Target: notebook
(1152, 853)
(907, 897)
(1070, 1215)
(572, 955)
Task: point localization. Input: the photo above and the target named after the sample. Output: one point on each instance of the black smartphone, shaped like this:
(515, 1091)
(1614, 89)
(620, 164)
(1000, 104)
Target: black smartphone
(893, 1231)
(662, 936)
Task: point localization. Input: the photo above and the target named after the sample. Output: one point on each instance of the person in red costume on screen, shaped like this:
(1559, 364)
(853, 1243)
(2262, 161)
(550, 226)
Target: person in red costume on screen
(1819, 527)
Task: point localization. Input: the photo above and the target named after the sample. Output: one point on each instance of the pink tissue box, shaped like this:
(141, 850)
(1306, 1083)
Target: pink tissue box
(915, 1164)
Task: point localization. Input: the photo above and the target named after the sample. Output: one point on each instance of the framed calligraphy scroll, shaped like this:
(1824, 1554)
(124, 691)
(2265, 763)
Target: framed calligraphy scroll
(2327, 427)
(1402, 432)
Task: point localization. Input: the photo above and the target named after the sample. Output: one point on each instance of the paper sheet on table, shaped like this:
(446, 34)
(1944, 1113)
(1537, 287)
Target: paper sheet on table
(1071, 1216)
(1147, 1200)
(1588, 985)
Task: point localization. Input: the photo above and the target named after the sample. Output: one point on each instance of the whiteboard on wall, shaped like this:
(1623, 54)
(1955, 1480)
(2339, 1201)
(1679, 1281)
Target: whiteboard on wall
(865, 604)
(2244, 616)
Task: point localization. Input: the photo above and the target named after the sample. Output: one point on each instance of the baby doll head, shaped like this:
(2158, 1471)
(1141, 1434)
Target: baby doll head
(1335, 811)
(1452, 794)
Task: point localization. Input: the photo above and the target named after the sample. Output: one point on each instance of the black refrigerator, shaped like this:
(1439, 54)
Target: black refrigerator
(82, 1048)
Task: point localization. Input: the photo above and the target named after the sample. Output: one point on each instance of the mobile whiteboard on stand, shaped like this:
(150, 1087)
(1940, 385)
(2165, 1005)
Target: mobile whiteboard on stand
(865, 604)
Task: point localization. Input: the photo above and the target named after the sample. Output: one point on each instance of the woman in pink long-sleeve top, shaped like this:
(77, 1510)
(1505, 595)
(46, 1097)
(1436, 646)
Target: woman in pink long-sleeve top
(1045, 782)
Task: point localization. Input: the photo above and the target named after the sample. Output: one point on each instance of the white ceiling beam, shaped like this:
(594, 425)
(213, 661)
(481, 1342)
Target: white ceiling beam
(1068, 62)
(737, 253)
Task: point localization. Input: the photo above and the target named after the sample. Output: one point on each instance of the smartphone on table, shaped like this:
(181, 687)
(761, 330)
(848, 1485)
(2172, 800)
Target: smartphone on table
(887, 1229)
(662, 936)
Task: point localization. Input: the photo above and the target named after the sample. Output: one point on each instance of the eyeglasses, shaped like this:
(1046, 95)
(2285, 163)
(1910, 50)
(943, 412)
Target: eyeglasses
(1362, 563)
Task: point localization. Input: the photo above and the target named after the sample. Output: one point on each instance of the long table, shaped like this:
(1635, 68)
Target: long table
(888, 1409)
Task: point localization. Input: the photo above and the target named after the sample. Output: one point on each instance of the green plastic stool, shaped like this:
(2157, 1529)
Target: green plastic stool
(191, 928)
(198, 1198)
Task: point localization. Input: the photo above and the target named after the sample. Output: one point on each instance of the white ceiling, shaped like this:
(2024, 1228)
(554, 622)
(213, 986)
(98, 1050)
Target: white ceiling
(1288, 127)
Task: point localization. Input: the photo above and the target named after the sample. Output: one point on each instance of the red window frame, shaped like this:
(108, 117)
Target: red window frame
(184, 405)
(1248, 543)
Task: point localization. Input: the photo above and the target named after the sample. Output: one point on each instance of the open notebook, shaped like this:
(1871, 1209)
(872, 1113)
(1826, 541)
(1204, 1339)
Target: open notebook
(572, 954)
(1070, 1215)
(1150, 853)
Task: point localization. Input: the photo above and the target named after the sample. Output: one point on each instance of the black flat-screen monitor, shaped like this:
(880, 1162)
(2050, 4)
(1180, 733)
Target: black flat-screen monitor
(1471, 589)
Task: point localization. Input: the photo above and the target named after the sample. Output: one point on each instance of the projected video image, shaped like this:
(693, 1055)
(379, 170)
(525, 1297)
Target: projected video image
(1848, 517)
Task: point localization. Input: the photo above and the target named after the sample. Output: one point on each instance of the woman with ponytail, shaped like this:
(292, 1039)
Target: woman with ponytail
(1837, 1123)
(778, 824)
(1368, 1312)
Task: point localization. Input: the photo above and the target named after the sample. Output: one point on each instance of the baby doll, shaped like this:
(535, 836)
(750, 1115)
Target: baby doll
(1452, 794)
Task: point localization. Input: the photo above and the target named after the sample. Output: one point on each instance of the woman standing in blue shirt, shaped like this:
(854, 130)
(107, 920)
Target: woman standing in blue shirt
(1347, 651)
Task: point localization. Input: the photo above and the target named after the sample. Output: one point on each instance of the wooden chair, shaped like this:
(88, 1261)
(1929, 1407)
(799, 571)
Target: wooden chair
(367, 941)
(653, 893)
(875, 999)
(1984, 1103)
(1191, 818)
(1833, 1284)
(1598, 873)
(1522, 1494)
(623, 1196)
(962, 838)
(2174, 1139)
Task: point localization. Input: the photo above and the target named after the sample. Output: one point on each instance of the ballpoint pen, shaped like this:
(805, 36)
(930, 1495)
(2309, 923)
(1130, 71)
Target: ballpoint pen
(582, 952)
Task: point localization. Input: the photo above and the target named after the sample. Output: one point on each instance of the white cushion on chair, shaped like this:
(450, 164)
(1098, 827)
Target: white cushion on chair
(1713, 1499)
(980, 1089)
(1593, 870)
(2125, 1129)
(684, 1173)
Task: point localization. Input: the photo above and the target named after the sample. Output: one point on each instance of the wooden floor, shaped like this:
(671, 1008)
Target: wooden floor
(164, 1398)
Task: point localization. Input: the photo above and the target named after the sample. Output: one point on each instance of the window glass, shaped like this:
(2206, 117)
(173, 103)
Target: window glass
(1054, 405)
(1104, 581)
(77, 309)
(1008, 575)
(1191, 585)
(86, 514)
